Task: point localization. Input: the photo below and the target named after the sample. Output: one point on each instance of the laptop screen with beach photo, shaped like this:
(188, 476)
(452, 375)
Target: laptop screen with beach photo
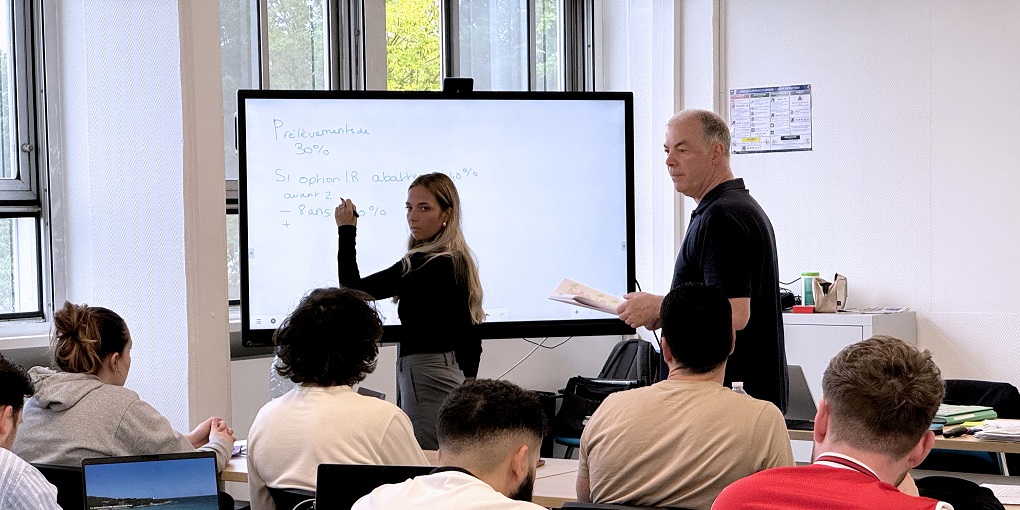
(185, 481)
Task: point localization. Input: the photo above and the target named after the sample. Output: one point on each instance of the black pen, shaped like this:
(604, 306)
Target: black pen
(342, 201)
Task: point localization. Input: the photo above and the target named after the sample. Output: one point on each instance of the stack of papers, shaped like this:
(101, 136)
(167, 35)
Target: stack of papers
(1006, 494)
(569, 291)
(1000, 430)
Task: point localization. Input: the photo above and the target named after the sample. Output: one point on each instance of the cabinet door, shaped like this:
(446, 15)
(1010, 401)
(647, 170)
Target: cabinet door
(812, 346)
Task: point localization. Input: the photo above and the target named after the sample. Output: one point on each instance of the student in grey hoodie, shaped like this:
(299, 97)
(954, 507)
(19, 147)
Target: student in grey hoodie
(83, 410)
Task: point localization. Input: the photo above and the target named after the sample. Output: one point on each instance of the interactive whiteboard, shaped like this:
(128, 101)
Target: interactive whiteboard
(545, 181)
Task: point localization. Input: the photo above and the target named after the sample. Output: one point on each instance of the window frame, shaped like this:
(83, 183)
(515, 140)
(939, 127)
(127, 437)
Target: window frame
(349, 50)
(27, 194)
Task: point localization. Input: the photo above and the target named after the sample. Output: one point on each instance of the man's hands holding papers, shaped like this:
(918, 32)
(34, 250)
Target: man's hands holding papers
(641, 309)
(579, 294)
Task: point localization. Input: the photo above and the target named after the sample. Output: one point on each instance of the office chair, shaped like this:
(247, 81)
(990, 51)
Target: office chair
(1005, 399)
(341, 485)
(604, 506)
(68, 481)
(292, 499)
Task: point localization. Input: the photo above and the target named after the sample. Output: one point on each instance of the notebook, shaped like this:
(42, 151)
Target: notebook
(340, 485)
(179, 481)
(801, 408)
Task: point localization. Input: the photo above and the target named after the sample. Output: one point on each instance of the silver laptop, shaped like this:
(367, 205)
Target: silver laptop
(801, 408)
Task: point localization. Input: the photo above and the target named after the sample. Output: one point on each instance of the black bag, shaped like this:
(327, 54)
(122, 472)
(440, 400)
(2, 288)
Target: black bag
(962, 494)
(632, 359)
(581, 398)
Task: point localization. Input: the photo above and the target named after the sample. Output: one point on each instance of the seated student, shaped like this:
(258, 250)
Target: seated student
(83, 409)
(679, 442)
(878, 398)
(489, 435)
(22, 487)
(326, 345)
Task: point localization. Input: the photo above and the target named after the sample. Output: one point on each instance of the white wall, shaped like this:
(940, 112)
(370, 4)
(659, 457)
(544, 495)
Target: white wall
(131, 161)
(910, 188)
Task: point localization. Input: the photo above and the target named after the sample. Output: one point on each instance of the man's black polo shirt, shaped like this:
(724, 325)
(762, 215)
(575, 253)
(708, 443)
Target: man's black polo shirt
(730, 244)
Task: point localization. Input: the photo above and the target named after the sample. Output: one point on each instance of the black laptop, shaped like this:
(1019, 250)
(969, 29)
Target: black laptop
(338, 486)
(179, 481)
(801, 408)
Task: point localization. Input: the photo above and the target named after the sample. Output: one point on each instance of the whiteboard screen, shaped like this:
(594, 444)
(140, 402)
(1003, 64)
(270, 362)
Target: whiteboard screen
(544, 178)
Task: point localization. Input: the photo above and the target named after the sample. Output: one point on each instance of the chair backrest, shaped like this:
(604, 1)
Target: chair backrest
(632, 359)
(288, 499)
(1005, 399)
(68, 481)
(603, 506)
(339, 486)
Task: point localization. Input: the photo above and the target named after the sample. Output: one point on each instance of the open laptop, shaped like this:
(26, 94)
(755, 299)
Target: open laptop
(340, 485)
(801, 408)
(179, 481)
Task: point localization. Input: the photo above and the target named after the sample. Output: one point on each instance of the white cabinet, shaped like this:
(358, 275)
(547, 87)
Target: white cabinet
(812, 339)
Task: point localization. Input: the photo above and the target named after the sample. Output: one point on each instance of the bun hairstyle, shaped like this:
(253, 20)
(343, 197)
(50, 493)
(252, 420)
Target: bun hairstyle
(84, 335)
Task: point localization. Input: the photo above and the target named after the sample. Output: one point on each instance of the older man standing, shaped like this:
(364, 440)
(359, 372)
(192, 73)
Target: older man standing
(729, 244)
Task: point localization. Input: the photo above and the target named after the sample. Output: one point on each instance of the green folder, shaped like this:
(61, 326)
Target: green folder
(954, 414)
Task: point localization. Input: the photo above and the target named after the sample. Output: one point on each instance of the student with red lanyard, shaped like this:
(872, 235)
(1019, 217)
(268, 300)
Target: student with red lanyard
(879, 397)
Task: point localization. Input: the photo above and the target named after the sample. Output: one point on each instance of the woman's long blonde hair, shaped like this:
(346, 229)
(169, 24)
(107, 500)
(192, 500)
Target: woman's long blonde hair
(449, 241)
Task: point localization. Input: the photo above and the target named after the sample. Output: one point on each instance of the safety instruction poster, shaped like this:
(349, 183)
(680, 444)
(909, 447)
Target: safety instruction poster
(770, 119)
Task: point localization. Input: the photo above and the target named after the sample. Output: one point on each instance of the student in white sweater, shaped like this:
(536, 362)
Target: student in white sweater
(327, 344)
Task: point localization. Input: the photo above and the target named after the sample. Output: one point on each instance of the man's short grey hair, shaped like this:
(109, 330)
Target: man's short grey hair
(713, 127)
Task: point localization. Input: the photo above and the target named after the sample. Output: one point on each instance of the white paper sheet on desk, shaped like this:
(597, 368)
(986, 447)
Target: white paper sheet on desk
(1000, 423)
(1006, 494)
(1000, 434)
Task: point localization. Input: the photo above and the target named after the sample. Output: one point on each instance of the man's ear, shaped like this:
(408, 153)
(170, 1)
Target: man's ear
(519, 465)
(719, 151)
(921, 449)
(667, 353)
(822, 422)
(7, 423)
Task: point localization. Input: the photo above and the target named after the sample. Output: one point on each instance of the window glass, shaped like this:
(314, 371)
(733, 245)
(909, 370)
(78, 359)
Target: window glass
(239, 47)
(494, 43)
(413, 57)
(8, 129)
(233, 258)
(297, 38)
(548, 46)
(19, 266)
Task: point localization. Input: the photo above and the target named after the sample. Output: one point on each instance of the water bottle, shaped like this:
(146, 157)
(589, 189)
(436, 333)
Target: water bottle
(278, 385)
(808, 298)
(738, 387)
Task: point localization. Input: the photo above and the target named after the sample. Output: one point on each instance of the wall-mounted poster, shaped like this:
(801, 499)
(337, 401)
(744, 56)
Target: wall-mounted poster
(770, 119)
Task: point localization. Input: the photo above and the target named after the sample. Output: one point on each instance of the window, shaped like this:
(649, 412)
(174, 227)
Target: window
(413, 41)
(21, 211)
(312, 44)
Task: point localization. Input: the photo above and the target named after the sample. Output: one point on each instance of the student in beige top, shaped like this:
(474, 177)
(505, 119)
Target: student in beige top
(681, 441)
